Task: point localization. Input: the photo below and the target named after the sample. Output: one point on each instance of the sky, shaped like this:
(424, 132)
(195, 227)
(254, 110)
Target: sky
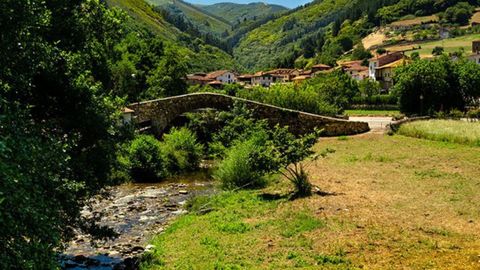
(285, 3)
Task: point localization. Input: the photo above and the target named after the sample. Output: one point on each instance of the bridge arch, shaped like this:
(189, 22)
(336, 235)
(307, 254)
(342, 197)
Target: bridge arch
(160, 113)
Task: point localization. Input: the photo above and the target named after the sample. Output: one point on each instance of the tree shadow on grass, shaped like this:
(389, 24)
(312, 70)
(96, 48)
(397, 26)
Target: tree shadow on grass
(293, 196)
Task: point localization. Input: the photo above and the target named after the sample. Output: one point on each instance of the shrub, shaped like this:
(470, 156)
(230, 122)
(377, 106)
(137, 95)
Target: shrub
(456, 114)
(238, 169)
(301, 183)
(474, 113)
(437, 50)
(146, 158)
(182, 150)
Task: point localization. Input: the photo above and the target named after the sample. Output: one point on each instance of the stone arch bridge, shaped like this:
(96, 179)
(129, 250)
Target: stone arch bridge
(158, 114)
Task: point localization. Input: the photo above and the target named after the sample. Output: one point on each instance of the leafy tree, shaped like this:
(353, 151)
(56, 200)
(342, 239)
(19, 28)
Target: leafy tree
(61, 75)
(415, 56)
(468, 73)
(381, 51)
(458, 14)
(168, 78)
(369, 87)
(438, 50)
(428, 86)
(359, 53)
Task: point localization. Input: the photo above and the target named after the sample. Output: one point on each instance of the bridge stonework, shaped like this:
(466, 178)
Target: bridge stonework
(161, 112)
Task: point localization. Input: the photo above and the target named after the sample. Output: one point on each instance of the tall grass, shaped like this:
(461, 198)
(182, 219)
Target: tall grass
(444, 130)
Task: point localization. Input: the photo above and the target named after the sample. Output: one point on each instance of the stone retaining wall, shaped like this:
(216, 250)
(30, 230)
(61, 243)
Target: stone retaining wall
(396, 125)
(161, 112)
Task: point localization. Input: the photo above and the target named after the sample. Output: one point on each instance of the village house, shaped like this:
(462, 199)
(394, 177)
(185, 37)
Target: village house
(245, 79)
(385, 73)
(381, 60)
(262, 79)
(283, 75)
(320, 67)
(222, 76)
(355, 70)
(197, 79)
(379, 68)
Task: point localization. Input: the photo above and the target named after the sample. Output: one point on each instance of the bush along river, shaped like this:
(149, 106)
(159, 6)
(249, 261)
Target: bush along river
(136, 212)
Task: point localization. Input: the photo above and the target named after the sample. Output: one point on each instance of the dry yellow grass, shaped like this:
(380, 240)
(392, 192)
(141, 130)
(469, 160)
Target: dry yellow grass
(476, 17)
(374, 39)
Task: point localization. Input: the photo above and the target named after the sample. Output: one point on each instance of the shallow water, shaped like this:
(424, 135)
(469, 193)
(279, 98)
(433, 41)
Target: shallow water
(136, 212)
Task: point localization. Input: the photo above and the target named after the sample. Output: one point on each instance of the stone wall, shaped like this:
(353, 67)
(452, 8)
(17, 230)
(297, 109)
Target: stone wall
(159, 113)
(396, 125)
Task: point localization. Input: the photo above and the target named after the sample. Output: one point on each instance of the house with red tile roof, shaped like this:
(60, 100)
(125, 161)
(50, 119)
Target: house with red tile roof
(355, 70)
(381, 60)
(222, 76)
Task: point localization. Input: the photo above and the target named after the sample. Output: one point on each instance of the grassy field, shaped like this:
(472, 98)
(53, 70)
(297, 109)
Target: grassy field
(394, 203)
(449, 44)
(371, 112)
(444, 130)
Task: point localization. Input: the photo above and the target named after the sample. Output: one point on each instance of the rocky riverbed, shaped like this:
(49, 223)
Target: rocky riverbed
(136, 212)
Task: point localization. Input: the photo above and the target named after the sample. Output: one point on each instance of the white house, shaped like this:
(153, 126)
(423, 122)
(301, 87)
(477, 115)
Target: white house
(223, 76)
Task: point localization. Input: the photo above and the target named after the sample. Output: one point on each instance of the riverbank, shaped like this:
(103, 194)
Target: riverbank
(135, 212)
(390, 203)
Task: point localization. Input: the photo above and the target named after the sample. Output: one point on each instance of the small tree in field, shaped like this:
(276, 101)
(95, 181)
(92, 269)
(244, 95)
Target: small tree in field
(293, 153)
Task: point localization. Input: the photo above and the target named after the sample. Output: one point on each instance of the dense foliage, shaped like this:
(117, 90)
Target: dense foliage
(421, 8)
(59, 123)
(250, 149)
(327, 94)
(66, 70)
(148, 159)
(425, 86)
(322, 28)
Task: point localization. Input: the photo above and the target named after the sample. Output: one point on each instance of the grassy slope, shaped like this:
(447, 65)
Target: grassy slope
(444, 130)
(145, 15)
(259, 47)
(401, 203)
(449, 44)
(206, 58)
(197, 15)
(234, 12)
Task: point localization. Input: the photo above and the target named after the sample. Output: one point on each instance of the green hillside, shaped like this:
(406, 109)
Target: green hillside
(199, 17)
(265, 45)
(144, 14)
(200, 56)
(236, 13)
(326, 31)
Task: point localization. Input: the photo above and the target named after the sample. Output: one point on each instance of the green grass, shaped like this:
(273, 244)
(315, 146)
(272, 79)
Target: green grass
(450, 45)
(234, 233)
(372, 112)
(400, 203)
(444, 130)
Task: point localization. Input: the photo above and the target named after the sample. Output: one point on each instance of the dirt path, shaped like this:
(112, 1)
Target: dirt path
(377, 124)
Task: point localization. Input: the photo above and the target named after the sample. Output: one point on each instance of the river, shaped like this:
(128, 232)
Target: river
(136, 212)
